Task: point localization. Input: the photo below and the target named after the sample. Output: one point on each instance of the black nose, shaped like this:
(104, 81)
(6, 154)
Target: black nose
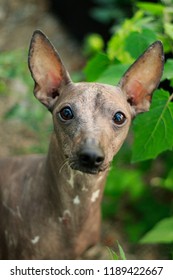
(91, 156)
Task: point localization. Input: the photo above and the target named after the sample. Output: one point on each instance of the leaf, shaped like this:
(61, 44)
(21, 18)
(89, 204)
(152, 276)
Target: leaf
(121, 180)
(93, 44)
(113, 74)
(168, 70)
(96, 66)
(155, 9)
(162, 232)
(113, 255)
(122, 254)
(168, 182)
(137, 42)
(116, 45)
(169, 29)
(153, 131)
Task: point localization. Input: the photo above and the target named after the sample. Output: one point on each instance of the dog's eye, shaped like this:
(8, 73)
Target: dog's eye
(66, 114)
(119, 118)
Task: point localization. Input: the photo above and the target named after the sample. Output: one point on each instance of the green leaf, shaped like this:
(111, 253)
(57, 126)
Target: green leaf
(122, 254)
(153, 131)
(168, 182)
(121, 180)
(155, 9)
(112, 74)
(113, 255)
(116, 45)
(169, 29)
(137, 42)
(96, 66)
(168, 70)
(162, 232)
(93, 43)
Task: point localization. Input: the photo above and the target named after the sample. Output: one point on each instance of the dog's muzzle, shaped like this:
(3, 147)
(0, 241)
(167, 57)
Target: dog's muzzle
(89, 158)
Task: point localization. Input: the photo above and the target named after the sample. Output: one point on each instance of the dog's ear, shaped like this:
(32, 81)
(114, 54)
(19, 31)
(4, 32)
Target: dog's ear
(143, 77)
(47, 70)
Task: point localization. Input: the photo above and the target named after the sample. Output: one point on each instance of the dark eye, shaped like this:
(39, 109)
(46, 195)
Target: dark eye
(66, 114)
(119, 118)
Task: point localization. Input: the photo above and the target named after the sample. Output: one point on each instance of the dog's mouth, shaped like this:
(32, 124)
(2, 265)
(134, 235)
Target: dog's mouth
(85, 170)
(88, 169)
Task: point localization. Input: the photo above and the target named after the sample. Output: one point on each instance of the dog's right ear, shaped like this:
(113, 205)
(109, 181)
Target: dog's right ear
(46, 69)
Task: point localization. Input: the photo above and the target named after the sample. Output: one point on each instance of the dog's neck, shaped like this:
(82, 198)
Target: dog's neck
(75, 193)
(75, 199)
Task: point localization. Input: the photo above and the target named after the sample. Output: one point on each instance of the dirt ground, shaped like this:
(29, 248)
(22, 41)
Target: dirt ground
(18, 20)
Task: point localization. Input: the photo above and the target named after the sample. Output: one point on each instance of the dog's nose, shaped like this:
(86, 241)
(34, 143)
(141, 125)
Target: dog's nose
(91, 155)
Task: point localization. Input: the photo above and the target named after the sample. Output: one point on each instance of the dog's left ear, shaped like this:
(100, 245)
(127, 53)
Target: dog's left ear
(143, 77)
(47, 70)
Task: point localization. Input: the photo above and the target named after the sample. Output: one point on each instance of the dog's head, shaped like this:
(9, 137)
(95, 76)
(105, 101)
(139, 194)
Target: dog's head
(91, 120)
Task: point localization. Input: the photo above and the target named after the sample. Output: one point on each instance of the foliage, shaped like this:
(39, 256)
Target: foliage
(161, 233)
(120, 256)
(157, 133)
(129, 194)
(108, 11)
(151, 22)
(24, 108)
(93, 43)
(108, 68)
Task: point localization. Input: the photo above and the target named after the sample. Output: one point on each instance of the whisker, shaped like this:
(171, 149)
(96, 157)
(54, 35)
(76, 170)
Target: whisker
(63, 165)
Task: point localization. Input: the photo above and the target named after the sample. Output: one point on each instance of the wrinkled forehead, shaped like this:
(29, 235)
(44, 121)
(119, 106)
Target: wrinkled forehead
(94, 94)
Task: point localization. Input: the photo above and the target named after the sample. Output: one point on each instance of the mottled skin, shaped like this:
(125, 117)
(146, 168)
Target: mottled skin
(50, 205)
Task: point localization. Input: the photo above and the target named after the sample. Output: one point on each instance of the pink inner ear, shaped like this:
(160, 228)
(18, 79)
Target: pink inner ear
(53, 80)
(136, 92)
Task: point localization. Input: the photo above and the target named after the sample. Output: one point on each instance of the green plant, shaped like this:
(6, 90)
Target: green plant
(108, 11)
(153, 131)
(17, 84)
(130, 191)
(162, 232)
(120, 256)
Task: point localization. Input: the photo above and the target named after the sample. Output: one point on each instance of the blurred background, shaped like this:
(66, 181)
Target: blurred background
(97, 40)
